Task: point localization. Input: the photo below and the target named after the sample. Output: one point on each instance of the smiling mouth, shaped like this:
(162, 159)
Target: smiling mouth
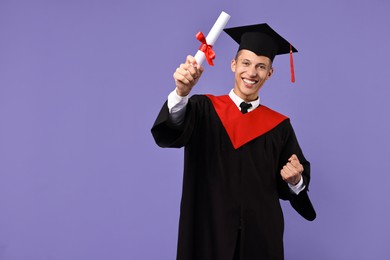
(250, 82)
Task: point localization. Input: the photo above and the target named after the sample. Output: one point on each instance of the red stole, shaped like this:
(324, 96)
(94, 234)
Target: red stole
(243, 128)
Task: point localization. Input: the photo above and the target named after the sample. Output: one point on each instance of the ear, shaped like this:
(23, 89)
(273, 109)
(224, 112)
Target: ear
(270, 72)
(233, 65)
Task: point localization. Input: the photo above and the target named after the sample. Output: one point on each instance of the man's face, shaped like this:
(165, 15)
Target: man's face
(251, 71)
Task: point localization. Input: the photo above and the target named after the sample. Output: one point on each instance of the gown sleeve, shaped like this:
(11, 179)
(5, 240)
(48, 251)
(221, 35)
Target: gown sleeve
(301, 202)
(167, 134)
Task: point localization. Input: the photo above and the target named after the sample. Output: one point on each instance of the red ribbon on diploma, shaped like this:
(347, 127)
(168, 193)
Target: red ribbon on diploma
(206, 48)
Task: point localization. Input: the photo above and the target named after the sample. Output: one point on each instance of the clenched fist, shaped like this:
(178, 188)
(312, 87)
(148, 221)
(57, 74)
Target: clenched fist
(292, 171)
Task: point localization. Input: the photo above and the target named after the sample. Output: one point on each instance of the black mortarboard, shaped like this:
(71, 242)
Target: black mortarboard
(262, 40)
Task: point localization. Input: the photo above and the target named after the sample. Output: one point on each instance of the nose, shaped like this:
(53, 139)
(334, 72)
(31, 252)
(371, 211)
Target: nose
(252, 71)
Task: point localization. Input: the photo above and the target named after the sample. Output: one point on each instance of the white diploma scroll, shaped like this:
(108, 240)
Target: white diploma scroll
(213, 35)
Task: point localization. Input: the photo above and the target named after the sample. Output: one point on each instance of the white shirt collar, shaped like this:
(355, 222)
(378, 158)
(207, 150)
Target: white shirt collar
(237, 100)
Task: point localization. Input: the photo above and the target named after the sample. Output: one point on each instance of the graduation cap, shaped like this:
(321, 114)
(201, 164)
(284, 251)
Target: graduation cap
(262, 40)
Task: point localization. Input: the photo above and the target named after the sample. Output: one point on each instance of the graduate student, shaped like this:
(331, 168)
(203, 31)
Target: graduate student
(241, 157)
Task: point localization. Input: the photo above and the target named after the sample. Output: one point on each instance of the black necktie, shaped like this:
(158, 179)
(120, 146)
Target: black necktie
(244, 107)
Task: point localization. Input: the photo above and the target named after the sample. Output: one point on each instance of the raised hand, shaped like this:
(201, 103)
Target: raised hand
(187, 75)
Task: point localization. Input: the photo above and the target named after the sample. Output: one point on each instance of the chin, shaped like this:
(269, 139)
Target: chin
(250, 91)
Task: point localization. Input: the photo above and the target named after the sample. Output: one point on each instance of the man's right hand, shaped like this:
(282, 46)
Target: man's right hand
(187, 75)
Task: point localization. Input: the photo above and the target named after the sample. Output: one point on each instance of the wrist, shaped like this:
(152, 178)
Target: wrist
(182, 93)
(297, 182)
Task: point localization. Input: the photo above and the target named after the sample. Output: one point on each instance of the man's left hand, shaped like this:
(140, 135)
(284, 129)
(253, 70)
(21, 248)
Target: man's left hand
(292, 171)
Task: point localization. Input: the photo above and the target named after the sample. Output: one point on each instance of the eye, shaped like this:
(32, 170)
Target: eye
(245, 63)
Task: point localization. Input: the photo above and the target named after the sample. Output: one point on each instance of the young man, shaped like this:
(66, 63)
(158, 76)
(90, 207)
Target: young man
(240, 157)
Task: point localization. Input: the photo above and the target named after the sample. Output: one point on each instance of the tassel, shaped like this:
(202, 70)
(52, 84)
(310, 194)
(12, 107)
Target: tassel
(292, 65)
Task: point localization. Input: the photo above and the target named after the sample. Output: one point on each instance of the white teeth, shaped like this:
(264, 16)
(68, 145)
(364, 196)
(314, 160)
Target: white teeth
(249, 81)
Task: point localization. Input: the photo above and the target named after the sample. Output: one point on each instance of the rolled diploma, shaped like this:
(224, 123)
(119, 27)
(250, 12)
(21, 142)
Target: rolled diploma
(213, 35)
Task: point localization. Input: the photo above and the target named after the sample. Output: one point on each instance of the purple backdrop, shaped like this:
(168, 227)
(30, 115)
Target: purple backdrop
(81, 83)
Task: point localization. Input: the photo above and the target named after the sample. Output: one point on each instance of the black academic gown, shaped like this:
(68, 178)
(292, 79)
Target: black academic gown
(232, 183)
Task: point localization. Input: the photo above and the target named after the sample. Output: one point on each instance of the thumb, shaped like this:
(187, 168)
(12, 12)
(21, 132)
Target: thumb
(293, 157)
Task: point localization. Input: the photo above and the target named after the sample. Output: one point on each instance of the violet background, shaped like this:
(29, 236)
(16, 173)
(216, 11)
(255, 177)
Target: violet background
(81, 83)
